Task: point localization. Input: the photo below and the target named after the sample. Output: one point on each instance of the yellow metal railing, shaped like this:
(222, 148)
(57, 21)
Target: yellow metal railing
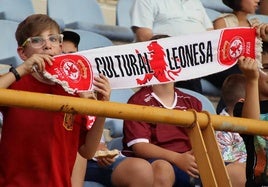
(200, 126)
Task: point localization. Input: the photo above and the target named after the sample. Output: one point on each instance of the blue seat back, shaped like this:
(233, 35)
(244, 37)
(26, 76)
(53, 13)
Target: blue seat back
(123, 17)
(75, 10)
(116, 125)
(121, 95)
(209, 89)
(212, 14)
(91, 40)
(207, 105)
(8, 43)
(216, 5)
(16, 10)
(262, 18)
(115, 143)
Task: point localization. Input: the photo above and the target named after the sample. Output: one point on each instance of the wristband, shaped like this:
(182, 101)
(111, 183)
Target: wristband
(15, 73)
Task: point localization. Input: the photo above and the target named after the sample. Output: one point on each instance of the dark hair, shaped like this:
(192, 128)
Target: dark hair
(34, 25)
(233, 4)
(72, 37)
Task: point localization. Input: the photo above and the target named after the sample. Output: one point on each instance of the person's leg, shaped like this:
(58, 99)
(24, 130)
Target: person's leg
(237, 173)
(133, 172)
(79, 171)
(163, 173)
(168, 175)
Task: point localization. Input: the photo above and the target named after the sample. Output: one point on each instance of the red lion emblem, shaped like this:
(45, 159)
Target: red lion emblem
(158, 65)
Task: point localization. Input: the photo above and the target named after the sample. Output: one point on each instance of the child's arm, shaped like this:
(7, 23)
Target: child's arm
(102, 87)
(36, 61)
(251, 108)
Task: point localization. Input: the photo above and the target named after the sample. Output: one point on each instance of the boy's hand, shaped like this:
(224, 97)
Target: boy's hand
(105, 161)
(249, 67)
(106, 157)
(36, 62)
(262, 31)
(88, 95)
(186, 162)
(102, 87)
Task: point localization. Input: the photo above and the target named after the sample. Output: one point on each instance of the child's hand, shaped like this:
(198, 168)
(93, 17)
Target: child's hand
(249, 67)
(102, 87)
(88, 95)
(36, 62)
(186, 162)
(105, 161)
(262, 31)
(106, 157)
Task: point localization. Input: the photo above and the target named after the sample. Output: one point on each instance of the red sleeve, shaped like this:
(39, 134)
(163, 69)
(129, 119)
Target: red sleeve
(135, 130)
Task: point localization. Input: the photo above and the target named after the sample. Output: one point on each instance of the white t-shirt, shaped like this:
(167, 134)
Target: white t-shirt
(171, 17)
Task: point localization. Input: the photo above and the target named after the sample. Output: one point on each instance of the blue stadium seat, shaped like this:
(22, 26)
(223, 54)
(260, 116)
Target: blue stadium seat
(121, 95)
(8, 44)
(212, 14)
(262, 18)
(16, 10)
(91, 40)
(115, 126)
(71, 11)
(216, 5)
(84, 15)
(206, 103)
(115, 143)
(123, 18)
(209, 89)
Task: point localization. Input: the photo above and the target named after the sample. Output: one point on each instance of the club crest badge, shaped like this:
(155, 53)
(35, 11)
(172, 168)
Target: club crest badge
(73, 72)
(232, 46)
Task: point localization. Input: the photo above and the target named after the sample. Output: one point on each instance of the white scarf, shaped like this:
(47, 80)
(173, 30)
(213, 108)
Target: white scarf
(155, 62)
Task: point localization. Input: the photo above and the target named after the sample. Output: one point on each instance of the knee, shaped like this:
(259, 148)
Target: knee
(162, 166)
(237, 174)
(135, 169)
(163, 173)
(136, 165)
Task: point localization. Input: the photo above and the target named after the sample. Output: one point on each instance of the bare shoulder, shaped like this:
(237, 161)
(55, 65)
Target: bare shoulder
(219, 23)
